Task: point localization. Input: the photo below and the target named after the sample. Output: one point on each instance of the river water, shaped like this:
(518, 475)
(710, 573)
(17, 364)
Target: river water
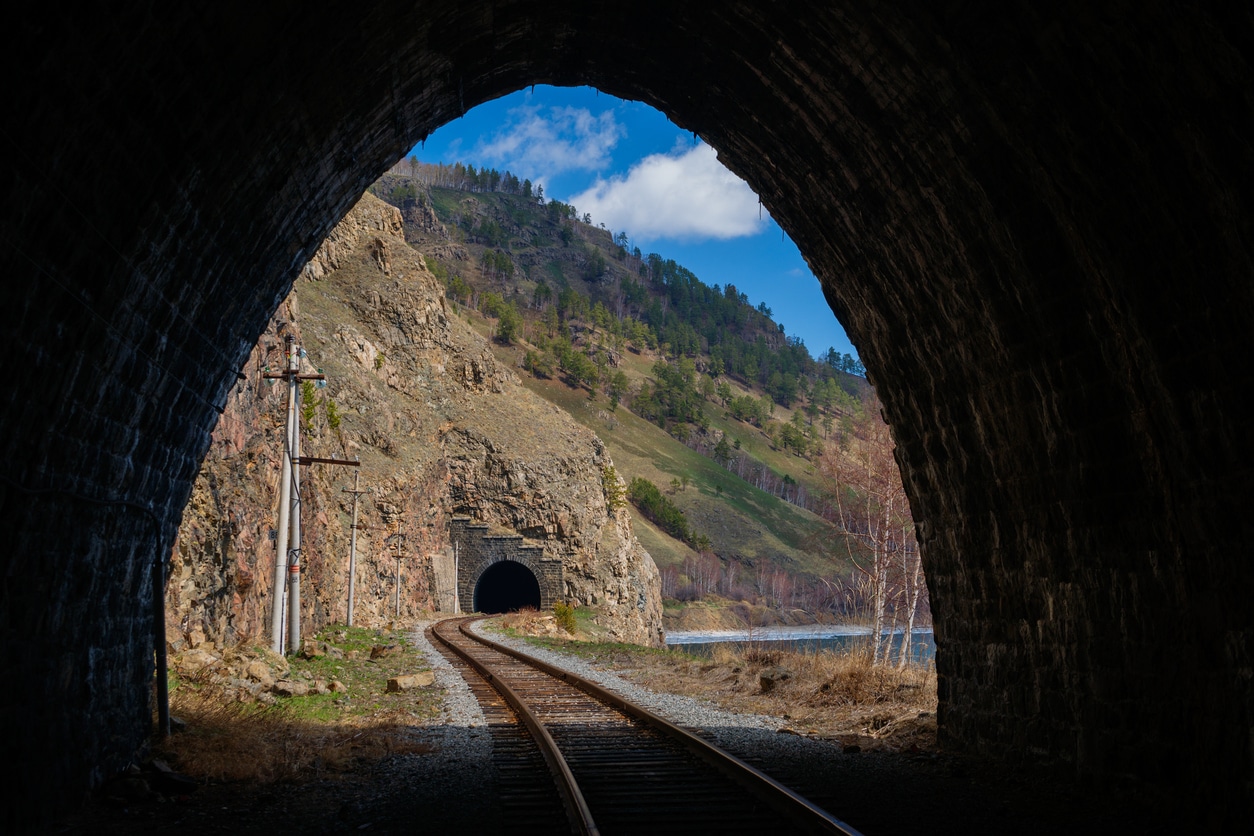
(808, 639)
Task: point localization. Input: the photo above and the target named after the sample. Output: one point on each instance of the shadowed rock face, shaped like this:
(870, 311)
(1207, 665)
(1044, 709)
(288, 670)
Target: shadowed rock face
(1035, 226)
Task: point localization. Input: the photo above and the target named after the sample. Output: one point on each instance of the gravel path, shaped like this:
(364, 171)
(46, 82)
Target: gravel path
(688, 712)
(460, 706)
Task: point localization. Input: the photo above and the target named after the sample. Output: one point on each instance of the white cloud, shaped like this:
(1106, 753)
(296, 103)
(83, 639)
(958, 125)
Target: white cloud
(541, 143)
(684, 196)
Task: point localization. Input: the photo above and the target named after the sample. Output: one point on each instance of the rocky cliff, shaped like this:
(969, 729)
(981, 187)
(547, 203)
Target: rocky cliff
(441, 428)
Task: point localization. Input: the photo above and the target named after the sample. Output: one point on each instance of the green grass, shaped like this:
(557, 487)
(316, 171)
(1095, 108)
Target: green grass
(598, 650)
(319, 708)
(554, 269)
(281, 739)
(741, 521)
(447, 201)
(665, 550)
(584, 618)
(366, 679)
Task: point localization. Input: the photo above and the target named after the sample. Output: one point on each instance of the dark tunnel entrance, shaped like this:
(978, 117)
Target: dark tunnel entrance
(506, 587)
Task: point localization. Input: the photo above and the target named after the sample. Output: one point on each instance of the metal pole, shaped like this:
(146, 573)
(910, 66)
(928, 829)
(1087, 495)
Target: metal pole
(285, 501)
(293, 563)
(352, 547)
(399, 537)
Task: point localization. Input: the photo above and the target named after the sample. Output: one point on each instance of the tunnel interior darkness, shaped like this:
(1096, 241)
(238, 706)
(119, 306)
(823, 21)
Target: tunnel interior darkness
(507, 586)
(1034, 225)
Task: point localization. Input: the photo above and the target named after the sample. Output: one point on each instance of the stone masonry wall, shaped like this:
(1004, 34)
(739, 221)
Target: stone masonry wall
(1032, 219)
(478, 549)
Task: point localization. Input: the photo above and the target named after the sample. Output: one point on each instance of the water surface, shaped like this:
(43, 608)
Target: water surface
(806, 639)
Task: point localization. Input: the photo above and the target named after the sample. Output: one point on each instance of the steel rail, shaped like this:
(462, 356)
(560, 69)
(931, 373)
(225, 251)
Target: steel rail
(800, 810)
(577, 810)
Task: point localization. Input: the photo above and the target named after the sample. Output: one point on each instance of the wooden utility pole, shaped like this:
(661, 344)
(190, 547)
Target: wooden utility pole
(352, 544)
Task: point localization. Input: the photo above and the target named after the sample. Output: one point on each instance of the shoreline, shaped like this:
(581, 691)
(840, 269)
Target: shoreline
(777, 633)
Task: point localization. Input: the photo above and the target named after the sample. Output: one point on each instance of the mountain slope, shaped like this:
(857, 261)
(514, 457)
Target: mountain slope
(441, 427)
(578, 291)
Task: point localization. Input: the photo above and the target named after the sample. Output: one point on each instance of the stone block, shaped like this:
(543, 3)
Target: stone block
(408, 682)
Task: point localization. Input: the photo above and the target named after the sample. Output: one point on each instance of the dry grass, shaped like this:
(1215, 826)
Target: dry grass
(528, 621)
(835, 696)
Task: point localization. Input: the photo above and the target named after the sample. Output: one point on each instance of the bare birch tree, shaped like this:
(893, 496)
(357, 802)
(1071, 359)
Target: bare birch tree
(869, 504)
(913, 589)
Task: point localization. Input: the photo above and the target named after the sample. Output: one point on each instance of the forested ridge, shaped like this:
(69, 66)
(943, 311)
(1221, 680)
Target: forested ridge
(580, 304)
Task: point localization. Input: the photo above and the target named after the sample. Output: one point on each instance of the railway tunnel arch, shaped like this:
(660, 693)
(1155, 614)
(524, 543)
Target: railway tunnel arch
(506, 586)
(1035, 229)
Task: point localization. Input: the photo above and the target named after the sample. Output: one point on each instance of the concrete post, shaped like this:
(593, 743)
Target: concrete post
(293, 563)
(285, 500)
(352, 545)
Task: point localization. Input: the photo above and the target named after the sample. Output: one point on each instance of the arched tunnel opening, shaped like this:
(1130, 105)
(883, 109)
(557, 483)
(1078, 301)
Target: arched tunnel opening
(507, 586)
(1033, 224)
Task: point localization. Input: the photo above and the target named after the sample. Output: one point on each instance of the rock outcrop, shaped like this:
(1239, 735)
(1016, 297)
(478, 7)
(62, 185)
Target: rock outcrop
(441, 428)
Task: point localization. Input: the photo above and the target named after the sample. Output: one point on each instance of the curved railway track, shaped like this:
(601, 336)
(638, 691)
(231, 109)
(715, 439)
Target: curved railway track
(612, 766)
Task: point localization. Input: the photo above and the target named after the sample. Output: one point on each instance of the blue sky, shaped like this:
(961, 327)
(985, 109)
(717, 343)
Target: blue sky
(632, 170)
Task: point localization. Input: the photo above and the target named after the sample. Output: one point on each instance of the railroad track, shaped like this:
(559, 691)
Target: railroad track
(612, 766)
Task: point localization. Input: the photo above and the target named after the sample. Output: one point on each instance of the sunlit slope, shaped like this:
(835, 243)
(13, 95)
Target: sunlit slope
(743, 523)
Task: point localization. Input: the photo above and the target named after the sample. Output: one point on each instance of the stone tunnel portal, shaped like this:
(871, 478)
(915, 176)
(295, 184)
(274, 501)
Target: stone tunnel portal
(507, 587)
(1033, 223)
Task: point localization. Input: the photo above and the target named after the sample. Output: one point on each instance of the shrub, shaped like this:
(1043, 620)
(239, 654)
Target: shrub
(565, 615)
(660, 510)
(308, 403)
(688, 593)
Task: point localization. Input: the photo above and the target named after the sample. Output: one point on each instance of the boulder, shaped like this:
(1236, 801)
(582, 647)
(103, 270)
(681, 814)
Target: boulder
(288, 688)
(771, 677)
(260, 672)
(457, 432)
(408, 682)
(312, 649)
(196, 660)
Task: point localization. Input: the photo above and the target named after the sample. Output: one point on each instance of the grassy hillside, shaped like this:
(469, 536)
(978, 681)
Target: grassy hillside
(593, 316)
(744, 524)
